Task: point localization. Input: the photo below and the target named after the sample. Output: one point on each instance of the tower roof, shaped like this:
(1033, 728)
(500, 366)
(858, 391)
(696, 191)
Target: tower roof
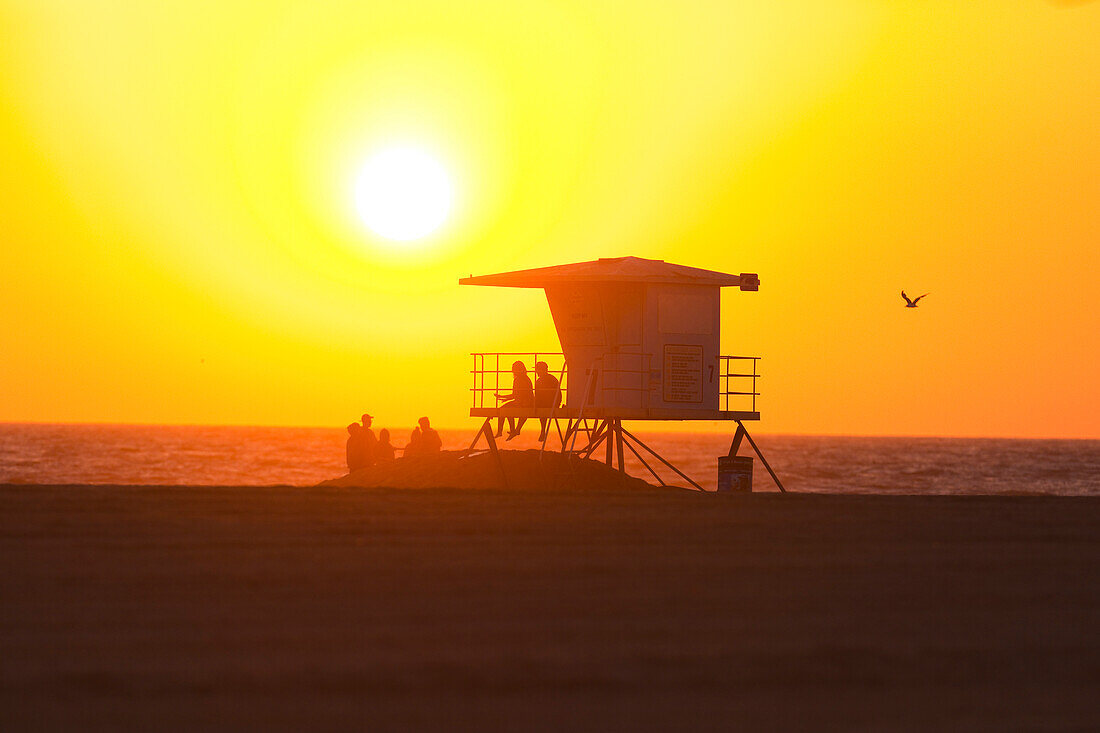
(607, 269)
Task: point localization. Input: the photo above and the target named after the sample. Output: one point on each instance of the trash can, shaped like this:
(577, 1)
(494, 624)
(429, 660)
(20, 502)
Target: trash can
(734, 473)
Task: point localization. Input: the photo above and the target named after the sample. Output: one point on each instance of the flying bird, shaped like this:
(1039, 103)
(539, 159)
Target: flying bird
(911, 303)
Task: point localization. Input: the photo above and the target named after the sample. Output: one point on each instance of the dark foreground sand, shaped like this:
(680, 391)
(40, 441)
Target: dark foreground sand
(303, 609)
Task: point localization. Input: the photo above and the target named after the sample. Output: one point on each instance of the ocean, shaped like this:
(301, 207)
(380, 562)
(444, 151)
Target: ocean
(262, 456)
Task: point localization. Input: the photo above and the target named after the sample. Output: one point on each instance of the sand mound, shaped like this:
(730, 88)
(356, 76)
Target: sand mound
(525, 470)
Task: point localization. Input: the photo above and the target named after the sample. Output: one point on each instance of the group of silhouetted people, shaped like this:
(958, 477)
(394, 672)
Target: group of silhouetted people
(364, 449)
(545, 392)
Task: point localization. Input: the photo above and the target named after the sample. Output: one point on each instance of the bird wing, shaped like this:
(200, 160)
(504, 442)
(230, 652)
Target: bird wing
(906, 298)
(915, 301)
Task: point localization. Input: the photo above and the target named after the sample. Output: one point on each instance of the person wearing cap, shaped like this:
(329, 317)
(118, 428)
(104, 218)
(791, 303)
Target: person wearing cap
(369, 442)
(547, 394)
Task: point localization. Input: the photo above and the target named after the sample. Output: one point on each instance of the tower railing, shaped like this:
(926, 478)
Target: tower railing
(737, 377)
(624, 379)
(492, 373)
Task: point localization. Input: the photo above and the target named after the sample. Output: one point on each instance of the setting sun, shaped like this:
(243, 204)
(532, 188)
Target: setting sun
(403, 194)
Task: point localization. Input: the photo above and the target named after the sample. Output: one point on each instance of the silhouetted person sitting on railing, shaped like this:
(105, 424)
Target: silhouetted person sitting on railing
(384, 450)
(356, 448)
(522, 395)
(430, 441)
(547, 394)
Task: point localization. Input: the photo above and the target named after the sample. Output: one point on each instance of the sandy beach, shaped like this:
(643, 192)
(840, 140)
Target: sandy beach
(176, 608)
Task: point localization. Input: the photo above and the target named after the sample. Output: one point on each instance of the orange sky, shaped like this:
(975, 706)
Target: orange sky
(180, 242)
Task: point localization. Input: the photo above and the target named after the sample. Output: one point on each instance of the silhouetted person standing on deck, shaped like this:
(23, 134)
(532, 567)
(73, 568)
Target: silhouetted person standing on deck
(385, 448)
(356, 450)
(429, 438)
(522, 395)
(370, 443)
(546, 393)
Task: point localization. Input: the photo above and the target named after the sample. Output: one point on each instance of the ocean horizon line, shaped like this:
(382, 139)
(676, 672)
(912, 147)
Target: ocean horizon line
(473, 428)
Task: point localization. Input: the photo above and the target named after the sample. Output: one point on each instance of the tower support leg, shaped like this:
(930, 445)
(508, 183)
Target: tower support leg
(610, 430)
(658, 456)
(619, 445)
(599, 434)
(487, 431)
(742, 432)
(571, 427)
(649, 468)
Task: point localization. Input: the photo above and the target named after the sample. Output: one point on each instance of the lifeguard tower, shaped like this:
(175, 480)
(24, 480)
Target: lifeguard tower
(640, 340)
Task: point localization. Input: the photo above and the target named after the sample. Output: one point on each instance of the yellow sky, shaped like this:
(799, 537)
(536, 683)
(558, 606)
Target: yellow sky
(180, 242)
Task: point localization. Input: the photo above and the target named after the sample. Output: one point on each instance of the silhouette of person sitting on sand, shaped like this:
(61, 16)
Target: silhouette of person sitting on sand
(385, 449)
(356, 449)
(547, 393)
(413, 448)
(522, 395)
(429, 438)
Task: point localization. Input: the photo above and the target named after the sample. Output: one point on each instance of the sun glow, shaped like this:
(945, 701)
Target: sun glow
(403, 194)
(873, 144)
